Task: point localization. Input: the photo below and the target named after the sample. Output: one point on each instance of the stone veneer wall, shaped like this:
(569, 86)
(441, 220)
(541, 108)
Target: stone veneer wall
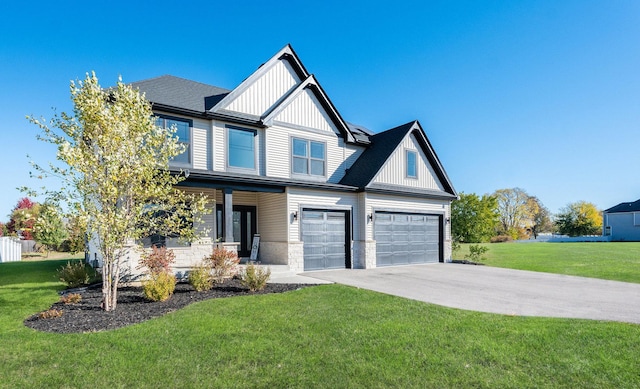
(274, 253)
(296, 256)
(364, 254)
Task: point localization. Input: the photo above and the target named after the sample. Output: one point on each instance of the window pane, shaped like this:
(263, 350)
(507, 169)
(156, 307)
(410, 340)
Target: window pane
(317, 167)
(241, 148)
(182, 129)
(184, 157)
(300, 165)
(317, 150)
(300, 148)
(411, 164)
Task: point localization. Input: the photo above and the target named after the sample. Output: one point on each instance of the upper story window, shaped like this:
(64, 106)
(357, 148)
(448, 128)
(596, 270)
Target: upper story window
(183, 133)
(412, 157)
(241, 148)
(309, 157)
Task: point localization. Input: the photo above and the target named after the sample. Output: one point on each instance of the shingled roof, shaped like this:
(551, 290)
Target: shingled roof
(178, 92)
(625, 207)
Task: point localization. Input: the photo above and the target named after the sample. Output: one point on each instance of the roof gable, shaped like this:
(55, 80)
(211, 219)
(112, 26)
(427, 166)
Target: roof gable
(383, 145)
(625, 207)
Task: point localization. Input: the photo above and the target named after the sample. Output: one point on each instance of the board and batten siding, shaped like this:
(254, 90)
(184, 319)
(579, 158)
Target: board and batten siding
(266, 90)
(305, 111)
(394, 171)
(305, 198)
(201, 144)
(273, 220)
(377, 202)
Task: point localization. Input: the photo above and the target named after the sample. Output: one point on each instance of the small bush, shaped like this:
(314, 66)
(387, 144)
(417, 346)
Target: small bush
(159, 287)
(200, 277)
(71, 298)
(476, 253)
(501, 239)
(223, 262)
(50, 314)
(255, 277)
(74, 274)
(158, 260)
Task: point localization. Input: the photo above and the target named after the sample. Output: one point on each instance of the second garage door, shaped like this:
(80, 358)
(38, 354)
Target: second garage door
(404, 238)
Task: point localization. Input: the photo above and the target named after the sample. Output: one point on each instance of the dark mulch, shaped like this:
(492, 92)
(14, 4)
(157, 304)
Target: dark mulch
(466, 262)
(87, 316)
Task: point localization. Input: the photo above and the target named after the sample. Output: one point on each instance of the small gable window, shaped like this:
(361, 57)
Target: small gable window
(308, 157)
(183, 133)
(411, 164)
(242, 148)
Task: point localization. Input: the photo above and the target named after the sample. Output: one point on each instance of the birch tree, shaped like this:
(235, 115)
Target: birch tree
(115, 173)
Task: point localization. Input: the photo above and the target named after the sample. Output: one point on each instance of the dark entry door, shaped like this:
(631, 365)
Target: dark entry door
(244, 226)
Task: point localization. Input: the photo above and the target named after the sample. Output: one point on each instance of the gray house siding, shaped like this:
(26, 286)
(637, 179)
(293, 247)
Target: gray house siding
(621, 227)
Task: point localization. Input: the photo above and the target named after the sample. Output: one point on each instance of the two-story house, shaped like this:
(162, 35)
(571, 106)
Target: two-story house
(278, 160)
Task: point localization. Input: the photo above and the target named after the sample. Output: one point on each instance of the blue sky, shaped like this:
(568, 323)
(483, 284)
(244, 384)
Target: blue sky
(542, 95)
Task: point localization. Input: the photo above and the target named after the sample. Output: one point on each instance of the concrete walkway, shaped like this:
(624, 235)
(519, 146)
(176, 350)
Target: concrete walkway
(496, 290)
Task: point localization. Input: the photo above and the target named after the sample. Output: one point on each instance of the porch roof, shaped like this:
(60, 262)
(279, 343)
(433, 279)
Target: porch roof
(250, 183)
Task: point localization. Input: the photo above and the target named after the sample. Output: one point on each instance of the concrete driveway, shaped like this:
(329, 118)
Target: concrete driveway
(496, 290)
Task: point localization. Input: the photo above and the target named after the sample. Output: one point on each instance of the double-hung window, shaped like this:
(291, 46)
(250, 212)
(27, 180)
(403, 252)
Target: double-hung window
(308, 157)
(183, 133)
(412, 156)
(241, 148)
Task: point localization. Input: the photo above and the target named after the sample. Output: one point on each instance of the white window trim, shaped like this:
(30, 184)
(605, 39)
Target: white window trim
(406, 164)
(231, 168)
(308, 158)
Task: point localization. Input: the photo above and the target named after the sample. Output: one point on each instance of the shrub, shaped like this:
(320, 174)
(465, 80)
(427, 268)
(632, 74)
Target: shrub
(159, 287)
(476, 252)
(50, 314)
(223, 262)
(71, 298)
(74, 274)
(200, 277)
(501, 239)
(255, 277)
(158, 260)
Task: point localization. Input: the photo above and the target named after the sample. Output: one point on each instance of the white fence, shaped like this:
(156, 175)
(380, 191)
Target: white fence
(10, 249)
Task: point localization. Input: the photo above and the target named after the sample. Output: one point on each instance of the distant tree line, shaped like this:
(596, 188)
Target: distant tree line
(510, 214)
(44, 224)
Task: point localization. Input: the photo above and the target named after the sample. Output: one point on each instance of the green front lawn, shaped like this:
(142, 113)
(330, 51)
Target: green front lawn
(327, 336)
(619, 261)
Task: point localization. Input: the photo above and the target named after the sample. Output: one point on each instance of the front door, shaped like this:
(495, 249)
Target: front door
(244, 226)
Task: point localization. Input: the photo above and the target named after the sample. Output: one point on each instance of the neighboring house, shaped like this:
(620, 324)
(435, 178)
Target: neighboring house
(279, 160)
(622, 222)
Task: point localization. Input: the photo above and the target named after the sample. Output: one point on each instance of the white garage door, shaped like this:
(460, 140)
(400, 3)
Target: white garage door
(324, 234)
(404, 238)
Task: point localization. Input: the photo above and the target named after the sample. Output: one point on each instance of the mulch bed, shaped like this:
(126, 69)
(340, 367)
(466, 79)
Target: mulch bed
(132, 308)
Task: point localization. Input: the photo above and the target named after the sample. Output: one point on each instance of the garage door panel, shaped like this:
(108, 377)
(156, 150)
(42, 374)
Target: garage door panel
(324, 239)
(403, 238)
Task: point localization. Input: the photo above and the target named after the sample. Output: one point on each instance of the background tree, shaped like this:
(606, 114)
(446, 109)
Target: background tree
(516, 209)
(579, 218)
(540, 219)
(77, 235)
(473, 218)
(117, 173)
(22, 218)
(49, 229)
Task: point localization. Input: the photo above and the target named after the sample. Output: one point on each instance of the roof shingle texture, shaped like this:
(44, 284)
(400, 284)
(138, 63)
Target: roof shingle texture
(625, 207)
(181, 93)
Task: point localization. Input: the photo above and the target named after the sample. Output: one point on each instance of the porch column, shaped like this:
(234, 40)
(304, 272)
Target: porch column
(228, 214)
